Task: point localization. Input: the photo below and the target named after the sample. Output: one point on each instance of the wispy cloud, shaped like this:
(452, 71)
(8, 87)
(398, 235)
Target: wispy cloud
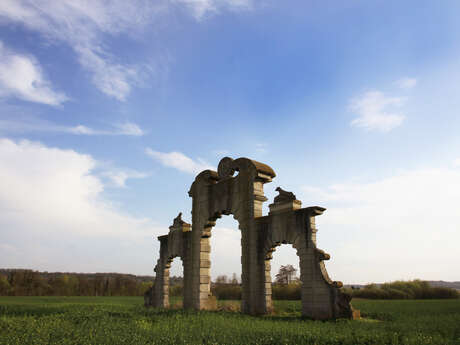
(118, 177)
(127, 128)
(37, 125)
(84, 25)
(201, 8)
(406, 83)
(113, 79)
(221, 153)
(22, 77)
(179, 161)
(372, 109)
(261, 148)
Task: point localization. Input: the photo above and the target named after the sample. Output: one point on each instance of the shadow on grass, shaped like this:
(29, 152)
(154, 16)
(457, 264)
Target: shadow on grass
(295, 317)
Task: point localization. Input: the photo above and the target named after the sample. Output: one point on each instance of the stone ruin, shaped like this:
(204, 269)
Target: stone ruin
(221, 193)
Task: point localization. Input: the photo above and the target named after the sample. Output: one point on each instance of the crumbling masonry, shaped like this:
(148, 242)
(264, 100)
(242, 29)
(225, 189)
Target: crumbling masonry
(221, 193)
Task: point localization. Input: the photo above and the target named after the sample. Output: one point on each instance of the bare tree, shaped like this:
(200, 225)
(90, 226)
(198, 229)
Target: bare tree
(285, 274)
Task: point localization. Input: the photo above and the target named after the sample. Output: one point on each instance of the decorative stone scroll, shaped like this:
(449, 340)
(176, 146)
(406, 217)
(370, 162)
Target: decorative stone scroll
(221, 193)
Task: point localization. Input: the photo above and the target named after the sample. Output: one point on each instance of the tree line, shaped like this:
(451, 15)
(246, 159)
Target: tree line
(415, 289)
(19, 282)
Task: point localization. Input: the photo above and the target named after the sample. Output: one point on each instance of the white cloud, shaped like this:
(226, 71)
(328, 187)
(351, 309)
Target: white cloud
(402, 227)
(21, 76)
(372, 110)
(261, 148)
(221, 153)
(111, 78)
(36, 125)
(54, 216)
(119, 177)
(129, 128)
(406, 83)
(457, 163)
(179, 161)
(83, 25)
(200, 8)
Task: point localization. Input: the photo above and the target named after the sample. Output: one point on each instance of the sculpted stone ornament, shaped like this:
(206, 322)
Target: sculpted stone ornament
(284, 195)
(178, 220)
(226, 168)
(221, 193)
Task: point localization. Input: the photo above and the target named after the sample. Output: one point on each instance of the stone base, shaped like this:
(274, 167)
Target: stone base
(211, 303)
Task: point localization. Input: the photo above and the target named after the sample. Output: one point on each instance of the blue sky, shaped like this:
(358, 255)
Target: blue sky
(108, 110)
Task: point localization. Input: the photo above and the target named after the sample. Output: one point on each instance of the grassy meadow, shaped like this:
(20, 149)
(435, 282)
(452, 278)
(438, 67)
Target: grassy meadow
(124, 320)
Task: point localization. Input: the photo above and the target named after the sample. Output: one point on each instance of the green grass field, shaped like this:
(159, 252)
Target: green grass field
(124, 320)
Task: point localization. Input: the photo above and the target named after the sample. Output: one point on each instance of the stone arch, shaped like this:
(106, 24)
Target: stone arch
(175, 244)
(221, 193)
(288, 223)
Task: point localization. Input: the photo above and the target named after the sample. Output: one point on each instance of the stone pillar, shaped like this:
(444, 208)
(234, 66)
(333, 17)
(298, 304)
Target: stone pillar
(246, 270)
(200, 287)
(161, 285)
(268, 287)
(253, 264)
(321, 297)
(188, 271)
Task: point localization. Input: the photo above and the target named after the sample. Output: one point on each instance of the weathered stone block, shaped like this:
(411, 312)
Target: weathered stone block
(204, 271)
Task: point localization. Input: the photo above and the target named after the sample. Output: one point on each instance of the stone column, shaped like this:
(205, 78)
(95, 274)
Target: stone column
(253, 268)
(188, 270)
(246, 270)
(161, 286)
(317, 287)
(200, 297)
(268, 287)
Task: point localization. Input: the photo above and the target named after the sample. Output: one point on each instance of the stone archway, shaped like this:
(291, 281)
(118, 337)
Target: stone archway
(214, 194)
(221, 193)
(176, 244)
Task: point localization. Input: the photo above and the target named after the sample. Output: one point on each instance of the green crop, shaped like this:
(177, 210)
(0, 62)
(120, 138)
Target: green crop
(123, 320)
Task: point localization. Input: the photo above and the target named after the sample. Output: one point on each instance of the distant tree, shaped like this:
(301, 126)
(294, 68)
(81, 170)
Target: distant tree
(62, 285)
(175, 280)
(222, 279)
(4, 286)
(84, 287)
(98, 285)
(285, 274)
(234, 279)
(38, 286)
